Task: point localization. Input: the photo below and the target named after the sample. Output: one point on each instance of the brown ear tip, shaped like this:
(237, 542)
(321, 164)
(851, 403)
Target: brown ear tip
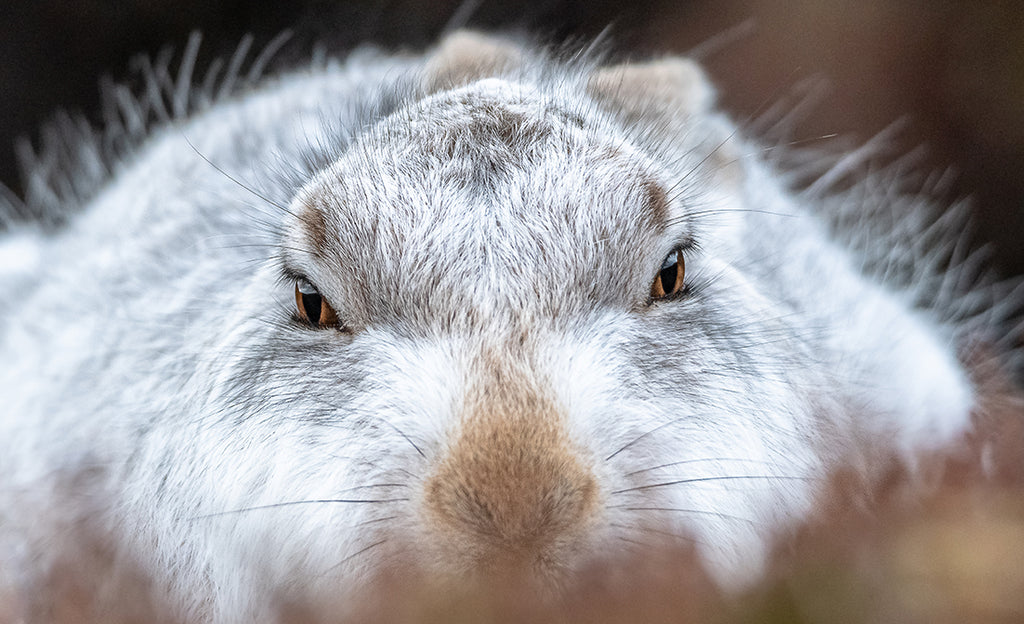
(467, 38)
(687, 76)
(669, 84)
(468, 55)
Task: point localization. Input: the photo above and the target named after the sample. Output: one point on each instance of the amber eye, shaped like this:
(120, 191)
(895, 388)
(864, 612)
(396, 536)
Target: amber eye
(313, 308)
(669, 279)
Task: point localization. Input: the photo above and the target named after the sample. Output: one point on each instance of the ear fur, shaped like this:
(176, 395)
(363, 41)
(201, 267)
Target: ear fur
(465, 56)
(671, 92)
(667, 88)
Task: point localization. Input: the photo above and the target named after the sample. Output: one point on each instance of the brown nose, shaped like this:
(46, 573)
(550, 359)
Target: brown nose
(510, 489)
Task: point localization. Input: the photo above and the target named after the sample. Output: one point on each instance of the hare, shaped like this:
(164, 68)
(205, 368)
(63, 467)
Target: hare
(485, 308)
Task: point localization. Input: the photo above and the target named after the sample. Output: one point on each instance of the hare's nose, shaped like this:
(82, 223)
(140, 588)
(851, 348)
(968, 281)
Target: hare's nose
(510, 488)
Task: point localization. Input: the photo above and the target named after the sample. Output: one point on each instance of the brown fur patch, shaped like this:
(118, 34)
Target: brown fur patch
(510, 490)
(662, 586)
(657, 202)
(494, 136)
(315, 225)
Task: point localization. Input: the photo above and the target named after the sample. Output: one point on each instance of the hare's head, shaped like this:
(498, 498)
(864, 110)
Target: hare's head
(544, 312)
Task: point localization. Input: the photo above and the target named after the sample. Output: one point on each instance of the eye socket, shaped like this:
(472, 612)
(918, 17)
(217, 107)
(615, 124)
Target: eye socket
(312, 306)
(670, 277)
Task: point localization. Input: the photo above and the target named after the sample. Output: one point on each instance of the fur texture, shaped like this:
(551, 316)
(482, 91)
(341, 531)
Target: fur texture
(501, 393)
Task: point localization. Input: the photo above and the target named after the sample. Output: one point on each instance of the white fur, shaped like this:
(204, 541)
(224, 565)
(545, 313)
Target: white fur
(154, 387)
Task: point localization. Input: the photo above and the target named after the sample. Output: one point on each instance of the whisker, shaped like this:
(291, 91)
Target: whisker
(355, 554)
(645, 529)
(702, 512)
(688, 175)
(648, 546)
(696, 214)
(320, 501)
(634, 542)
(376, 485)
(710, 479)
(235, 180)
(375, 521)
(407, 438)
(696, 461)
(642, 436)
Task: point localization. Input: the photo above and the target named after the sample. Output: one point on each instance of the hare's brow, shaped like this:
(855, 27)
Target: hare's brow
(655, 202)
(314, 224)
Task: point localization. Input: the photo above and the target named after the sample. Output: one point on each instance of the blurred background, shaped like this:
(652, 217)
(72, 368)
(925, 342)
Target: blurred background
(952, 70)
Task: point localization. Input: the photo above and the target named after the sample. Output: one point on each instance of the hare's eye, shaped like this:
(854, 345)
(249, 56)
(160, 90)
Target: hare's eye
(312, 306)
(669, 279)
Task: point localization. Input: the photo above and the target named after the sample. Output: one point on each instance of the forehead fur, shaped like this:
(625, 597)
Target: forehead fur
(484, 193)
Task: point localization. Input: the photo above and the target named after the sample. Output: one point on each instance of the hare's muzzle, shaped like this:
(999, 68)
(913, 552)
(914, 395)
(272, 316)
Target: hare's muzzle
(510, 489)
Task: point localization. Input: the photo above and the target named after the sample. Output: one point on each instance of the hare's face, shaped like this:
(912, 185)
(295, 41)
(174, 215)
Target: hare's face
(511, 343)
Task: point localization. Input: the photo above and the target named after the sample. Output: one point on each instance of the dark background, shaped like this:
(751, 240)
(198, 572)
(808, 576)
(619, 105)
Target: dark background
(954, 69)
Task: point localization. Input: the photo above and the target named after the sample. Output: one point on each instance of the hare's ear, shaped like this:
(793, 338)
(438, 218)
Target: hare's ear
(466, 56)
(669, 93)
(671, 87)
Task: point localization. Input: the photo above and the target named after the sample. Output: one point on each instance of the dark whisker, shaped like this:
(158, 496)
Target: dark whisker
(708, 212)
(700, 163)
(235, 180)
(375, 521)
(321, 501)
(642, 436)
(376, 485)
(649, 546)
(709, 479)
(696, 461)
(356, 554)
(407, 438)
(645, 529)
(634, 542)
(702, 512)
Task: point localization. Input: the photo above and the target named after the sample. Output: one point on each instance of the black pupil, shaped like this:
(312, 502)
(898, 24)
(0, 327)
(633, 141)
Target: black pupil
(668, 277)
(311, 301)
